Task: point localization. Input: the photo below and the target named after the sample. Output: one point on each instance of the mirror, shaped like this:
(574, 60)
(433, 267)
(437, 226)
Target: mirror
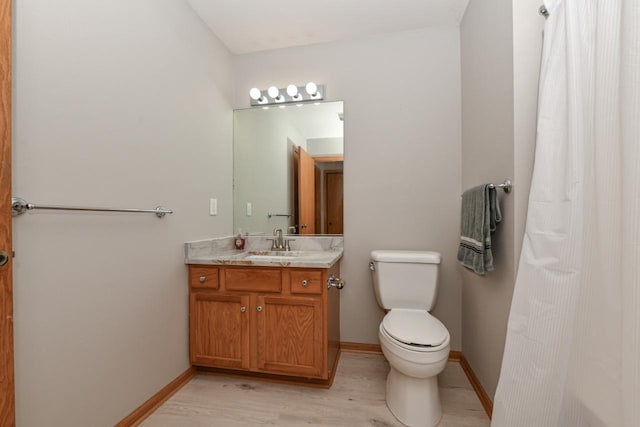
(287, 169)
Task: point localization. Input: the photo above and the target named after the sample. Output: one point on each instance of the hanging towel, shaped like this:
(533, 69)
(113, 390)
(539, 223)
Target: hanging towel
(479, 218)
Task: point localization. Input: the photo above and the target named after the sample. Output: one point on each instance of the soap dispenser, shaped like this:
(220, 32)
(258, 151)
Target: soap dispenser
(239, 241)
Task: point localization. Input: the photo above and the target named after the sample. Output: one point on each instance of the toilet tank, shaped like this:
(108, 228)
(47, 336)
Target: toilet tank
(405, 279)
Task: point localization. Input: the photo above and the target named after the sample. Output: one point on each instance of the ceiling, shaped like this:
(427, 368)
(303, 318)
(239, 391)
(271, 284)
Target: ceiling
(246, 26)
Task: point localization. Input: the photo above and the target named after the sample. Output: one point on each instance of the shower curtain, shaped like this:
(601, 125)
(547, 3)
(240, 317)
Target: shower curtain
(572, 355)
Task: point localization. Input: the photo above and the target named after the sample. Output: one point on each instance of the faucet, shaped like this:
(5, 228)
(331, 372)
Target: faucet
(278, 242)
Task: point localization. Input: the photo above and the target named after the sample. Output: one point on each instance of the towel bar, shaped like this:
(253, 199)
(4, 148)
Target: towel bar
(269, 215)
(506, 185)
(20, 206)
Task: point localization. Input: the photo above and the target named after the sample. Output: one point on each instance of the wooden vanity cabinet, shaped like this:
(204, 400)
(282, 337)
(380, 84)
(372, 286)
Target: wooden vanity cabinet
(220, 330)
(272, 320)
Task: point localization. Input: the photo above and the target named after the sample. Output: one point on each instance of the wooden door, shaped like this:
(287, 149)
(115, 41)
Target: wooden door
(334, 202)
(219, 330)
(306, 193)
(7, 387)
(290, 336)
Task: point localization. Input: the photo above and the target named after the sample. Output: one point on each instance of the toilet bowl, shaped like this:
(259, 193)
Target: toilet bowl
(412, 384)
(414, 342)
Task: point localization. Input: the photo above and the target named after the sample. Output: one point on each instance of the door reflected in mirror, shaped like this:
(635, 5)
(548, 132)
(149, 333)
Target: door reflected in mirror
(288, 169)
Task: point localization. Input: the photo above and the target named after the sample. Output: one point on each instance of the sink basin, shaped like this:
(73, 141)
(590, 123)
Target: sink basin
(272, 256)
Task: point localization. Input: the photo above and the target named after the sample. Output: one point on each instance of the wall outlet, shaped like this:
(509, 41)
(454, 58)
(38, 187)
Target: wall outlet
(213, 207)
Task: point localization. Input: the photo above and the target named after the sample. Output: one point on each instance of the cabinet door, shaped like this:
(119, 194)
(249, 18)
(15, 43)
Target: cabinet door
(219, 330)
(290, 336)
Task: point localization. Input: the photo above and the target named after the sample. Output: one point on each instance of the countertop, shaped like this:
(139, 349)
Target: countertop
(309, 252)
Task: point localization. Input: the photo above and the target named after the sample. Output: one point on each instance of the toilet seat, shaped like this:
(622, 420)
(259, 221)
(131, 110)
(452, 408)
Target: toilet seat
(414, 329)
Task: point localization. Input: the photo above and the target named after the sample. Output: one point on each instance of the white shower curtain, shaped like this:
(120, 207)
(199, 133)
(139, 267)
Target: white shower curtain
(572, 355)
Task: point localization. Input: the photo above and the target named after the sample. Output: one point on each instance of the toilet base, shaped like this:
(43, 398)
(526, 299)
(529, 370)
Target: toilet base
(414, 401)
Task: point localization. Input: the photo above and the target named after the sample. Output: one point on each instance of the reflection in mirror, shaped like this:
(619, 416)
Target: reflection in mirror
(287, 169)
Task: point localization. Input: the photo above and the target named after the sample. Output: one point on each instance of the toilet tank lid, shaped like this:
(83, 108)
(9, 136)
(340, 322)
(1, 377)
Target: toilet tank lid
(420, 257)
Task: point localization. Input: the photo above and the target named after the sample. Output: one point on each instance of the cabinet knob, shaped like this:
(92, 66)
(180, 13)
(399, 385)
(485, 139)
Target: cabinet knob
(259, 308)
(304, 283)
(243, 309)
(202, 279)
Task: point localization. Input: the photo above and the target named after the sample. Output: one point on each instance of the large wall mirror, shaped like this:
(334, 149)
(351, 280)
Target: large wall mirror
(287, 169)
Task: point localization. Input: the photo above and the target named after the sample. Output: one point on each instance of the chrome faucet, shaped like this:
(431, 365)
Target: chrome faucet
(278, 242)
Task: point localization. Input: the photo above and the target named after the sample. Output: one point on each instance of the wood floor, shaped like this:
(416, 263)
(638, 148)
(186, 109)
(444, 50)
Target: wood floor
(355, 399)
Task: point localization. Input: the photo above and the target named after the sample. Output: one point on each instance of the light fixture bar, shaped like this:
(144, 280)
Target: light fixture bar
(284, 95)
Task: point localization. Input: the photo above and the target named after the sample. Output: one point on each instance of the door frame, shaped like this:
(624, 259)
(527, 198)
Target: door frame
(7, 379)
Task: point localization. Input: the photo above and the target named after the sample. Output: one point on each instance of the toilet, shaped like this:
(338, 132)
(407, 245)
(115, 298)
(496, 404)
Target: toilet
(414, 342)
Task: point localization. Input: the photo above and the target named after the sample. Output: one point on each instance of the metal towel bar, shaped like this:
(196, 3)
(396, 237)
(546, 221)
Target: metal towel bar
(269, 215)
(20, 206)
(506, 185)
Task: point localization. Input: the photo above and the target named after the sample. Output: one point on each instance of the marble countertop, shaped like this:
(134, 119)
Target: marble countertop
(307, 251)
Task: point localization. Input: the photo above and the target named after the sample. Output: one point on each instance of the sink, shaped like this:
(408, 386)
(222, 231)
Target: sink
(272, 256)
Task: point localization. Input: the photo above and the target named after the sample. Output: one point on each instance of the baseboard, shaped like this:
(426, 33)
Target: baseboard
(455, 356)
(147, 408)
(477, 386)
(358, 347)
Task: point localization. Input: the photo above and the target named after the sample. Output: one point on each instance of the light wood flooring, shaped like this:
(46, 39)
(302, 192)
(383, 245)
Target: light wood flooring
(355, 399)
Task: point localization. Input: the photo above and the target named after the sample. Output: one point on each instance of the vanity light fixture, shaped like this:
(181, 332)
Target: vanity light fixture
(292, 91)
(274, 93)
(256, 96)
(312, 89)
(311, 92)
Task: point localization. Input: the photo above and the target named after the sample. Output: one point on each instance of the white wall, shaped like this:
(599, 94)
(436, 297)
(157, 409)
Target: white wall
(527, 52)
(123, 104)
(325, 146)
(487, 156)
(500, 62)
(402, 153)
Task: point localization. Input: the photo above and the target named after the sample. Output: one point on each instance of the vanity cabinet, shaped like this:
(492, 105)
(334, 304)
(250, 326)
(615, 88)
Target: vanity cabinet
(267, 320)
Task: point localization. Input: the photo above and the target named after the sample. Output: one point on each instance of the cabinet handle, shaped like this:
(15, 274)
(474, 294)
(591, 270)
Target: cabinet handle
(243, 309)
(304, 283)
(259, 308)
(202, 279)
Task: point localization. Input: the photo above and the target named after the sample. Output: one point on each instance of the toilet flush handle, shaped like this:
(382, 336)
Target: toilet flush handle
(335, 282)
(372, 266)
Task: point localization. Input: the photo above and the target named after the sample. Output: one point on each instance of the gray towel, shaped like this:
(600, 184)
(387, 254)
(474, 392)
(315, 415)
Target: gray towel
(479, 218)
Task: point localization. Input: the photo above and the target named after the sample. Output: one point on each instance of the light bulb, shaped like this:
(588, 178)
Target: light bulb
(292, 91)
(255, 94)
(273, 92)
(311, 88)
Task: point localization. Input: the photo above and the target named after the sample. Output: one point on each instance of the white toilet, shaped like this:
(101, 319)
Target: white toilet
(415, 343)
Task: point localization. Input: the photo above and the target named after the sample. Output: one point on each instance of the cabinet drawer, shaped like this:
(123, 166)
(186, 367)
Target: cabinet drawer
(253, 279)
(203, 277)
(306, 282)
